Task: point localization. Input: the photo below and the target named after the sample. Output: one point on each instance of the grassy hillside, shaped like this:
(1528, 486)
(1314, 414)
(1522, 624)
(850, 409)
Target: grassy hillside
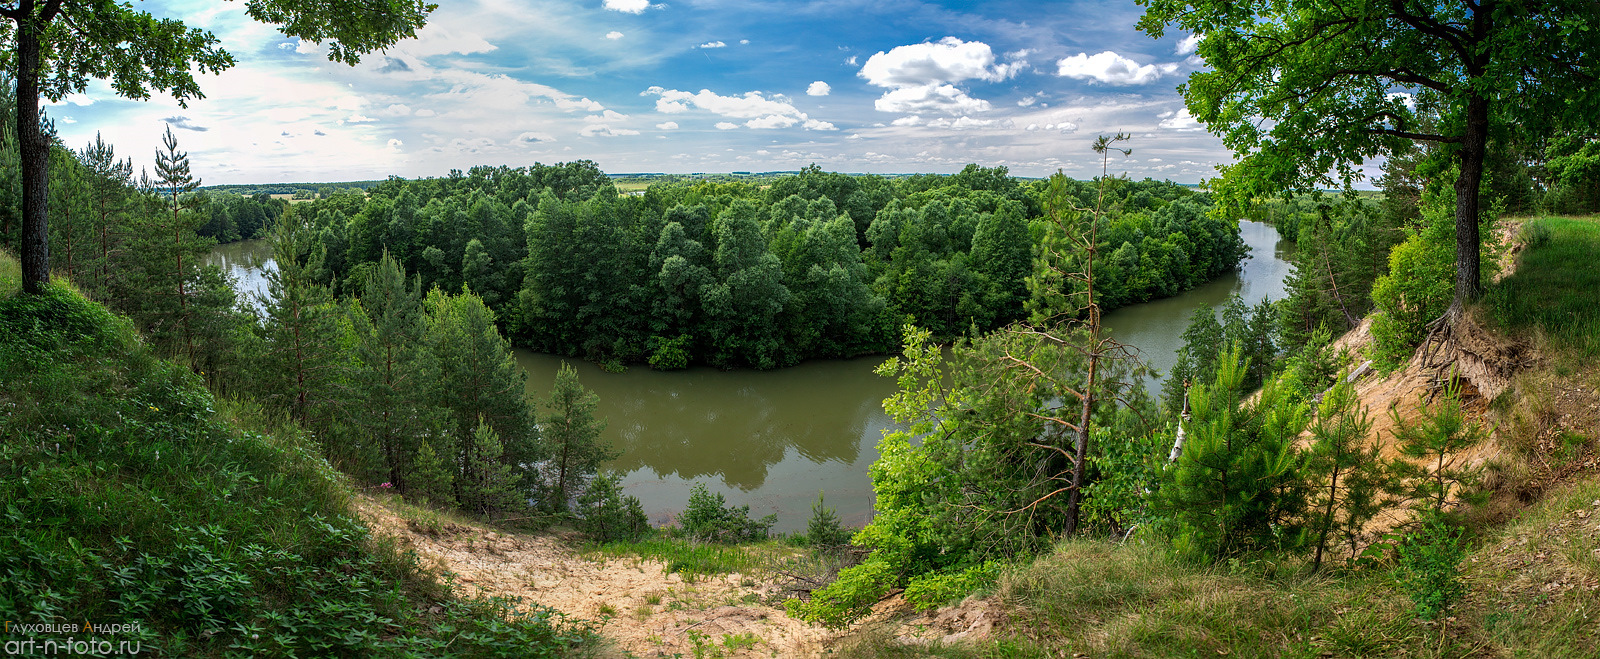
(1532, 593)
(126, 499)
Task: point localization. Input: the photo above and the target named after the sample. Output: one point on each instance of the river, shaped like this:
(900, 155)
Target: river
(773, 439)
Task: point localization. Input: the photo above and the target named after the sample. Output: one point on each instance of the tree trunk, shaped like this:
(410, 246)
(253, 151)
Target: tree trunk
(1327, 517)
(35, 164)
(1474, 144)
(1080, 449)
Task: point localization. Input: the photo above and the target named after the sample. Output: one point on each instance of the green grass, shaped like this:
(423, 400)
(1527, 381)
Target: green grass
(1529, 595)
(1556, 286)
(10, 275)
(125, 497)
(1531, 582)
(1106, 600)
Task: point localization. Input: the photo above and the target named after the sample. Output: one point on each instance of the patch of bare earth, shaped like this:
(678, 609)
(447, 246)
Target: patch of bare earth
(642, 610)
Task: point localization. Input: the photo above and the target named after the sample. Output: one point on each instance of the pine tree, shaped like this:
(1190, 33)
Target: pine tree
(433, 477)
(473, 375)
(174, 179)
(302, 372)
(572, 439)
(109, 182)
(489, 484)
(1348, 474)
(1431, 468)
(823, 530)
(387, 322)
(1236, 487)
(605, 514)
(1197, 359)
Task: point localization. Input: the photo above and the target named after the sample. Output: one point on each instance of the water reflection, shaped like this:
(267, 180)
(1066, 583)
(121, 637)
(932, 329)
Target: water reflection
(767, 439)
(247, 261)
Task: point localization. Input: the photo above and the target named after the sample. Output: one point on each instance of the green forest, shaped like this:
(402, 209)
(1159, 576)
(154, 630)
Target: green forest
(737, 275)
(208, 465)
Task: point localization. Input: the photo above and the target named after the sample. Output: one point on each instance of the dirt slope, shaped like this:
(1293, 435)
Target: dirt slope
(545, 569)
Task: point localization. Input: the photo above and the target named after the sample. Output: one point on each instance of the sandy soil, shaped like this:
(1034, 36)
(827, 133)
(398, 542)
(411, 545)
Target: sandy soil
(544, 568)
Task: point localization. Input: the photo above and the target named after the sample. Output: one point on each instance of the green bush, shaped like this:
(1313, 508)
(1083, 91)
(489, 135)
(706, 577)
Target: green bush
(1417, 289)
(671, 355)
(605, 514)
(935, 588)
(710, 519)
(824, 531)
(1429, 567)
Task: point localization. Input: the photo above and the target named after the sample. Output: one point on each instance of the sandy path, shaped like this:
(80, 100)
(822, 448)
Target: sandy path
(643, 611)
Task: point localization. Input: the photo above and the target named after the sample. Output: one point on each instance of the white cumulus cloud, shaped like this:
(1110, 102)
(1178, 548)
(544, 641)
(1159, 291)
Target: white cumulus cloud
(533, 138)
(818, 88)
(912, 120)
(920, 77)
(932, 97)
(668, 125)
(627, 6)
(1182, 122)
(1189, 44)
(724, 125)
(758, 110)
(713, 44)
(1111, 68)
(947, 60)
(613, 35)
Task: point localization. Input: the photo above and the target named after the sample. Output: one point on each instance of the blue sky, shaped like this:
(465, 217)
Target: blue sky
(686, 86)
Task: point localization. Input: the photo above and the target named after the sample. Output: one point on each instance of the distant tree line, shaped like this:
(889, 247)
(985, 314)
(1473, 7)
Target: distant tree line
(818, 264)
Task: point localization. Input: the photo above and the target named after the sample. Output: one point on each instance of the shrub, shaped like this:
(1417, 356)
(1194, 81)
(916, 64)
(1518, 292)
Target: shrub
(936, 588)
(824, 531)
(1429, 566)
(671, 354)
(1417, 289)
(709, 518)
(605, 514)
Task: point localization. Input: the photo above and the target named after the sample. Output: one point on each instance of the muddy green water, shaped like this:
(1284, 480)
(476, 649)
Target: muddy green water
(772, 440)
(247, 261)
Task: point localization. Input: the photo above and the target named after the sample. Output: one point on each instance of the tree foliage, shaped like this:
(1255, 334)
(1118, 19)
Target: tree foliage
(819, 265)
(1304, 93)
(56, 47)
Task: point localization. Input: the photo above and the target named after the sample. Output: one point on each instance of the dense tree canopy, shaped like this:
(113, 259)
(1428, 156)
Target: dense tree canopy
(1304, 93)
(819, 264)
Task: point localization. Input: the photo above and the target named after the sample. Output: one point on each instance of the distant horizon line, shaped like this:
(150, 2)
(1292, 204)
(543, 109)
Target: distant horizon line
(623, 175)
